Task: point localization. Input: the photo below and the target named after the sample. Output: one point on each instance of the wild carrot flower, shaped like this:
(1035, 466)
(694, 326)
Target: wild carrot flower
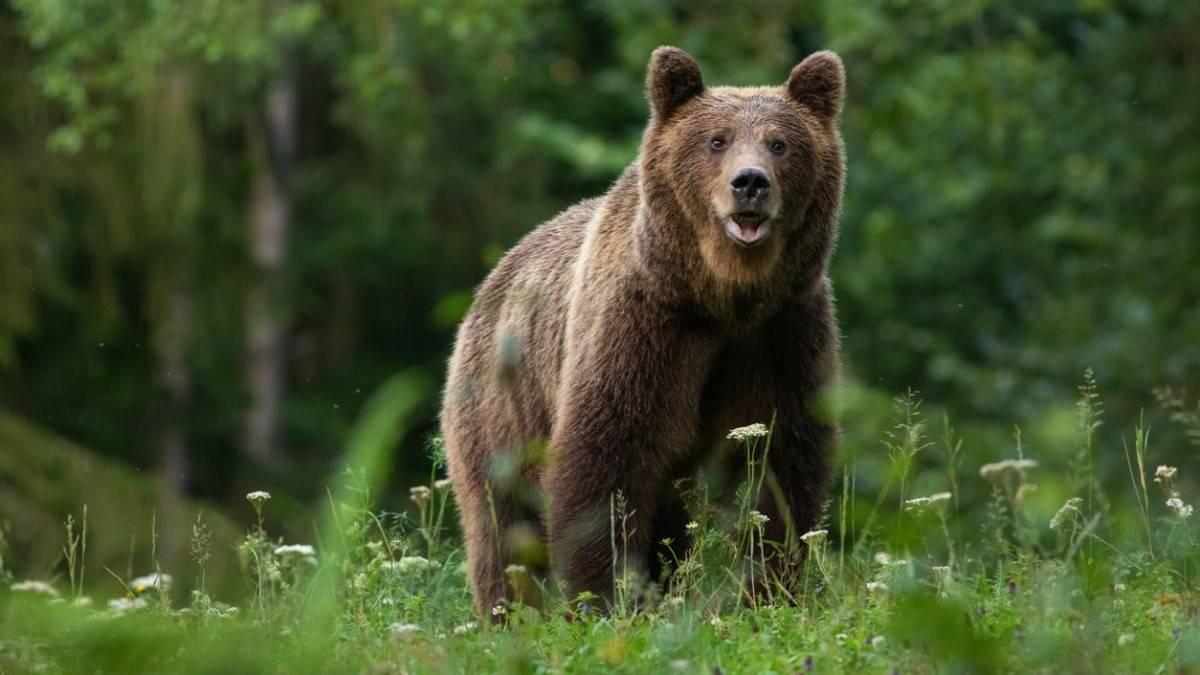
(402, 629)
(514, 570)
(39, 587)
(876, 587)
(1181, 510)
(1025, 492)
(499, 610)
(258, 497)
(692, 526)
(465, 628)
(156, 581)
(1164, 473)
(119, 606)
(882, 558)
(295, 549)
(442, 484)
(410, 564)
(758, 519)
(1068, 510)
(748, 432)
(1006, 467)
(419, 494)
(814, 537)
(919, 504)
(1124, 639)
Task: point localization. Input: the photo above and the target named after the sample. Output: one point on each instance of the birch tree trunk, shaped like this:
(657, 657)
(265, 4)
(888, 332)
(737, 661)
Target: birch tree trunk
(273, 146)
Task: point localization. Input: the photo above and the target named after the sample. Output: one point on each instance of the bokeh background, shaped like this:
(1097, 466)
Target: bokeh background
(224, 224)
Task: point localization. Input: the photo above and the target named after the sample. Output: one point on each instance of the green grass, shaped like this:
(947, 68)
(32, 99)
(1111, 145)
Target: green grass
(975, 580)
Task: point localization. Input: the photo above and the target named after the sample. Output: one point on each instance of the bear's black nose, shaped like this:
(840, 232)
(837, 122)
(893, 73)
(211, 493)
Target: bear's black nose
(750, 185)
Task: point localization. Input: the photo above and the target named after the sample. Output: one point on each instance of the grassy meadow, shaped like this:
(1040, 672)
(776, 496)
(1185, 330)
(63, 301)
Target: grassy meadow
(937, 556)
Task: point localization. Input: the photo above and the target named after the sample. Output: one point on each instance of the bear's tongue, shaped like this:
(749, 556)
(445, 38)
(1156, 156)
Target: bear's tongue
(747, 228)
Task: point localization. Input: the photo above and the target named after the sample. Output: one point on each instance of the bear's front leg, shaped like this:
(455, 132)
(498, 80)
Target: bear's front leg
(800, 372)
(628, 410)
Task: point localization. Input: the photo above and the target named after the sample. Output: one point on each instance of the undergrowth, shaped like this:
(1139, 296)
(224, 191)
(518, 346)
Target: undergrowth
(897, 582)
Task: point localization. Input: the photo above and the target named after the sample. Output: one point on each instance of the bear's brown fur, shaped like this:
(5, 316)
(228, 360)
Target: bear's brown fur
(613, 347)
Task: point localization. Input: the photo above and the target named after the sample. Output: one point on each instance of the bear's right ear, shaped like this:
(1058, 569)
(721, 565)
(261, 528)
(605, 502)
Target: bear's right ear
(819, 83)
(672, 79)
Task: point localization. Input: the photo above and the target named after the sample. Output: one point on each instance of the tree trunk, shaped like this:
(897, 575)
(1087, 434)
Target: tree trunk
(177, 381)
(273, 145)
(171, 194)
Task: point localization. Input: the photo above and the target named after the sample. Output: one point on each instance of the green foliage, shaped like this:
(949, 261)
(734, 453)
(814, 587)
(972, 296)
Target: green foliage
(1020, 200)
(893, 601)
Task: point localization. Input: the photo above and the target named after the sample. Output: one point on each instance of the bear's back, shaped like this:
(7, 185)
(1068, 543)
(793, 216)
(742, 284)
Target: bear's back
(509, 349)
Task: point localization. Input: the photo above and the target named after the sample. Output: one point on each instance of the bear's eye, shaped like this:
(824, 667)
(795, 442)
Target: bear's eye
(777, 147)
(717, 143)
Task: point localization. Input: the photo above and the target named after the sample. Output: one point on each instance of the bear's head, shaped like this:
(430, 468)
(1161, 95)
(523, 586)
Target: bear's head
(750, 178)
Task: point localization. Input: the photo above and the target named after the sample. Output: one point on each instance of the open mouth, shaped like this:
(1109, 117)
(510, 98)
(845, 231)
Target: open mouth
(748, 228)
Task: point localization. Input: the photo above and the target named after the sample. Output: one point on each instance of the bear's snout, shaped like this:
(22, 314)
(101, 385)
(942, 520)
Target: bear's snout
(750, 187)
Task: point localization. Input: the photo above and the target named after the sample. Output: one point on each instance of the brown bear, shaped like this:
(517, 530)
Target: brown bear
(612, 348)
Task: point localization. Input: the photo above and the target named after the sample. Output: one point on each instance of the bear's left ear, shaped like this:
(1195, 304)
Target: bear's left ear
(818, 83)
(672, 79)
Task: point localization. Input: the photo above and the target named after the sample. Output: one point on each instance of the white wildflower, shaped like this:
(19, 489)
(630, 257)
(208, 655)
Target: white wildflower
(419, 494)
(40, 587)
(402, 629)
(515, 570)
(814, 537)
(676, 601)
(411, 564)
(921, 503)
(1067, 511)
(1006, 467)
(118, 606)
(465, 628)
(841, 637)
(692, 526)
(1025, 492)
(442, 484)
(882, 558)
(1181, 510)
(1124, 639)
(941, 571)
(715, 622)
(258, 496)
(295, 549)
(877, 641)
(156, 581)
(680, 664)
(1164, 473)
(748, 432)
(758, 519)
(876, 587)
(499, 610)
(1119, 588)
